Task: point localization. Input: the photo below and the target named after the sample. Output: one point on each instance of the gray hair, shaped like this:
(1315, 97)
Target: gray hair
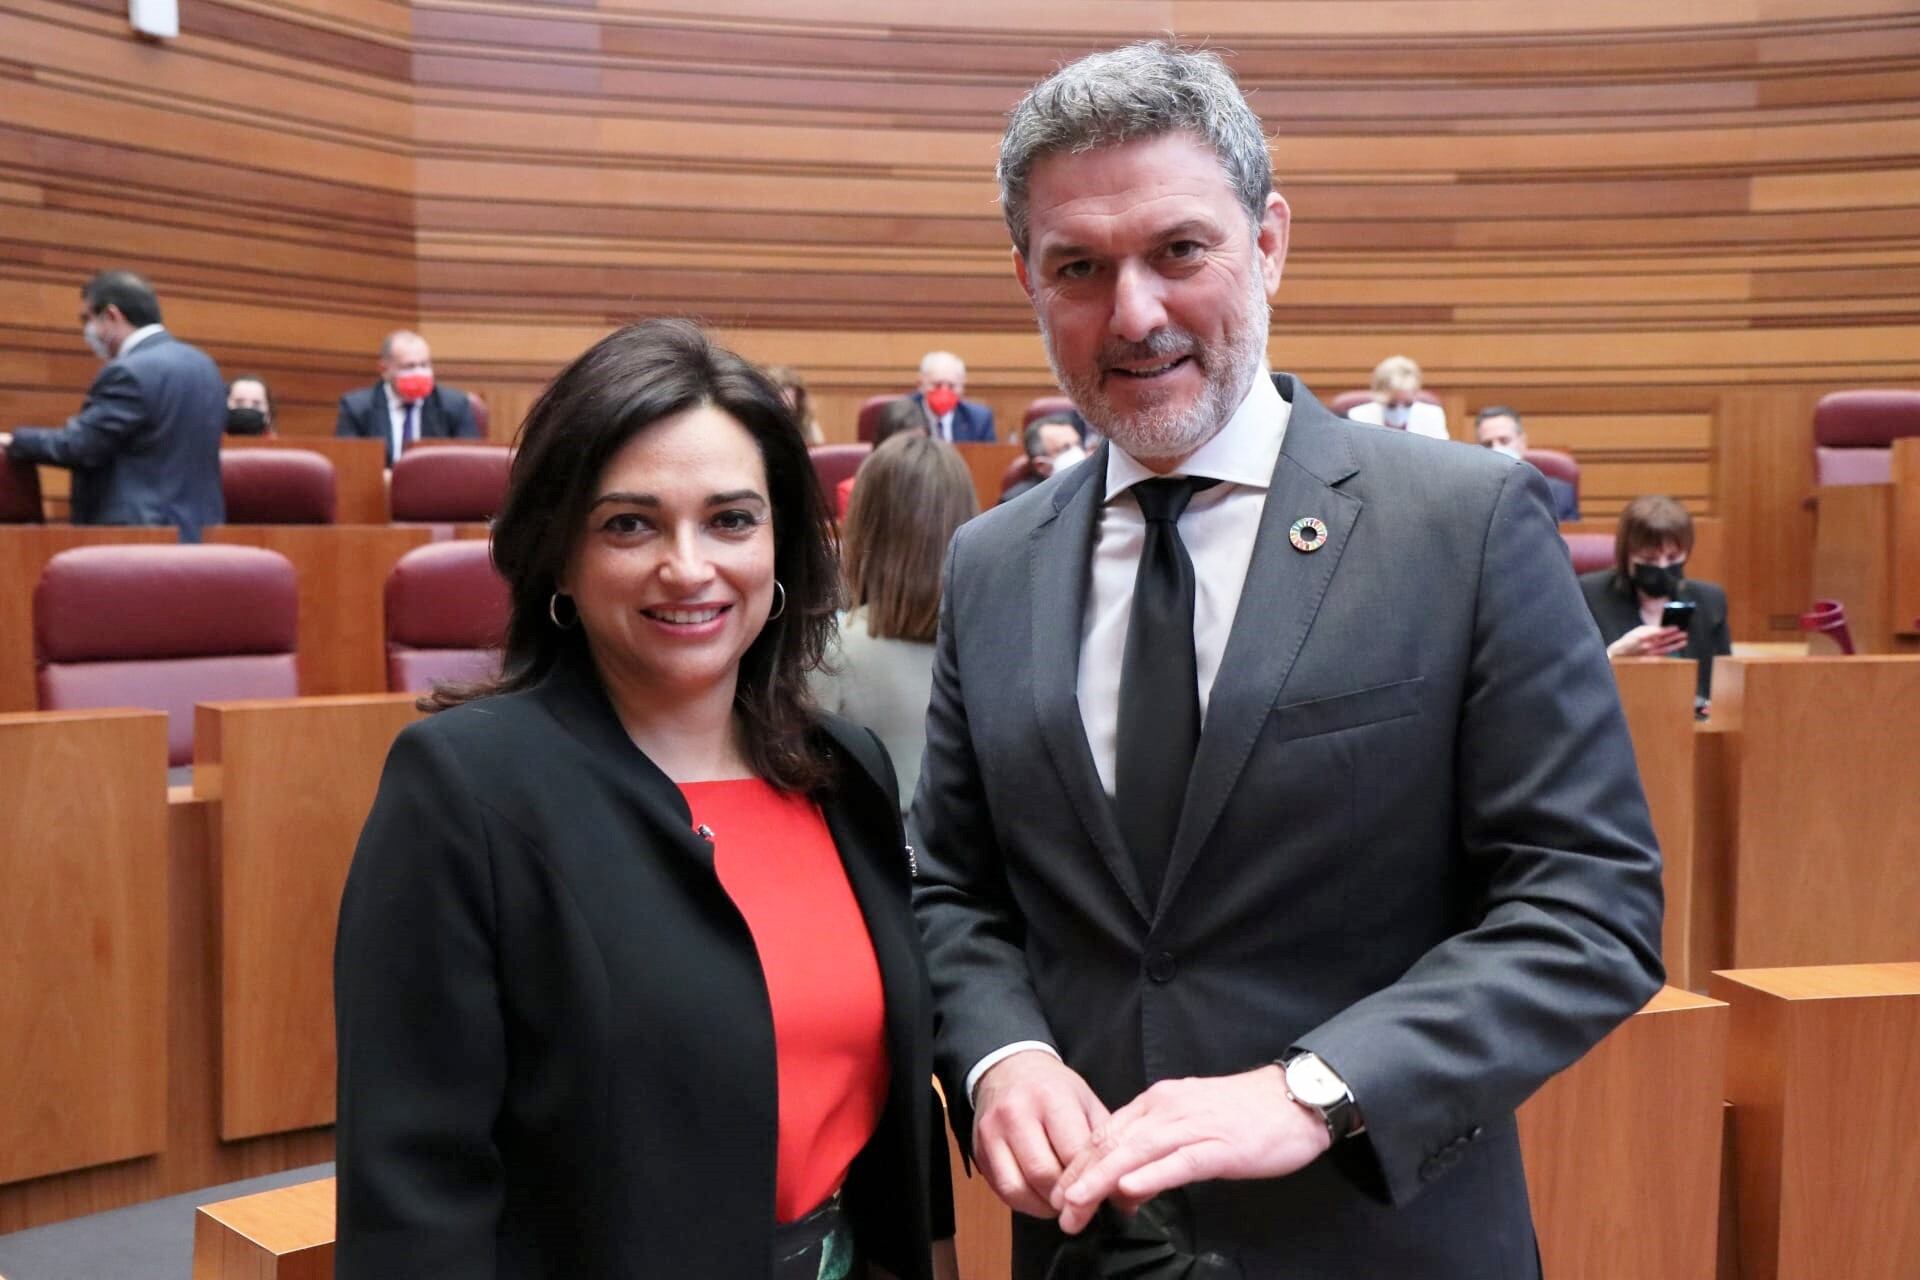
(1138, 91)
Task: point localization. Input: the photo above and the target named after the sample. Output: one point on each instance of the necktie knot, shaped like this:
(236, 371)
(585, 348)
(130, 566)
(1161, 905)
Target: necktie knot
(1168, 496)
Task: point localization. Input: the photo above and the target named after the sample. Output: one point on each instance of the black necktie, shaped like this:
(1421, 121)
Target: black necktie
(1159, 684)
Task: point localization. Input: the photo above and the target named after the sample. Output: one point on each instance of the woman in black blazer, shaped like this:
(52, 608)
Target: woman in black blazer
(561, 1054)
(1650, 553)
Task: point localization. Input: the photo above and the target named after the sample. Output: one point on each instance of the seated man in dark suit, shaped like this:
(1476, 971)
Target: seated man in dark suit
(1499, 428)
(943, 380)
(405, 405)
(1053, 443)
(145, 446)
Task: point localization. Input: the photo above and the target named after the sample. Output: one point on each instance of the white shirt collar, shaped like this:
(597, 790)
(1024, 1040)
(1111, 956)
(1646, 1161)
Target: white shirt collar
(137, 337)
(1243, 452)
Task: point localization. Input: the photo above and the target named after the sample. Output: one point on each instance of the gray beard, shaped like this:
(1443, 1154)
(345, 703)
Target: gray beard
(1165, 430)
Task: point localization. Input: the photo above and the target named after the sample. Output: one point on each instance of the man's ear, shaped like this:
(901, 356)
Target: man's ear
(1020, 273)
(1276, 221)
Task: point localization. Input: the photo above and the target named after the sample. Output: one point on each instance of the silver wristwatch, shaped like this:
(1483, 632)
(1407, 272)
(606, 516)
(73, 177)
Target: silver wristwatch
(1312, 1083)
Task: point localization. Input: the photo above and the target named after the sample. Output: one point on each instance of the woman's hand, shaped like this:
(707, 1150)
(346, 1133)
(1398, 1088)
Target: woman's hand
(1648, 641)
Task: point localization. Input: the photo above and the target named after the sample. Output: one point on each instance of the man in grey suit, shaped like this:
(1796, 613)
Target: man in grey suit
(145, 446)
(1280, 830)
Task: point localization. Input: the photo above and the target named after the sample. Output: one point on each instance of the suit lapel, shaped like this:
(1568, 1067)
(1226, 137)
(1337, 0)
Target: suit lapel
(1283, 592)
(1059, 567)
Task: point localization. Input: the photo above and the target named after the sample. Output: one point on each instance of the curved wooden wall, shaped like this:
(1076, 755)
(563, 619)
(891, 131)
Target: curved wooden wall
(1659, 230)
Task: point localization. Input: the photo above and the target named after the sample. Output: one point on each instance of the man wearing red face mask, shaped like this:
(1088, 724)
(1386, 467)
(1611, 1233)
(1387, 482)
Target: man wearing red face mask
(405, 405)
(943, 378)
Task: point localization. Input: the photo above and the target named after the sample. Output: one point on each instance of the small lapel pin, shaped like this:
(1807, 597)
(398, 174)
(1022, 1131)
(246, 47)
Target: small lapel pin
(1307, 534)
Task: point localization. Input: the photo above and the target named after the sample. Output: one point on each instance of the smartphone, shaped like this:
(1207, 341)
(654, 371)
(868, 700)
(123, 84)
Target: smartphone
(1677, 613)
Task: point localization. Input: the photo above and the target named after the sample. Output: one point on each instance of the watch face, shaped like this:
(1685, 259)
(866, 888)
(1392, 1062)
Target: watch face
(1310, 1080)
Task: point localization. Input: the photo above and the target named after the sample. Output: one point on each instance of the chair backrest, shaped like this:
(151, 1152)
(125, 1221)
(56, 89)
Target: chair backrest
(1041, 406)
(482, 416)
(277, 486)
(872, 409)
(165, 627)
(454, 482)
(20, 493)
(1854, 431)
(833, 463)
(447, 610)
(1829, 618)
(1559, 465)
(1589, 551)
(1346, 401)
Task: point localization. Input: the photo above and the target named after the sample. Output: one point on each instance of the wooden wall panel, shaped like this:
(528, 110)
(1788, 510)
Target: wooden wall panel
(1660, 233)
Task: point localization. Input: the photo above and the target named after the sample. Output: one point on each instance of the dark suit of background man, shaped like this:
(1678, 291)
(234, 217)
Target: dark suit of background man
(943, 380)
(1411, 857)
(1499, 428)
(145, 446)
(405, 405)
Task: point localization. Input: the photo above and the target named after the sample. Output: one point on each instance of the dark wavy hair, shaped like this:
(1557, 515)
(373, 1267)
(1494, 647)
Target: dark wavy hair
(626, 382)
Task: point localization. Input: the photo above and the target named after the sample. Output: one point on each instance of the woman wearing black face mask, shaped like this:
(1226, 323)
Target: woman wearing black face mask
(1648, 575)
(249, 407)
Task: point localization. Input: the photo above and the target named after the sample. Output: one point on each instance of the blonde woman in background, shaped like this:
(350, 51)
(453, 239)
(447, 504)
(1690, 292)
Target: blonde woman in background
(1397, 403)
(910, 496)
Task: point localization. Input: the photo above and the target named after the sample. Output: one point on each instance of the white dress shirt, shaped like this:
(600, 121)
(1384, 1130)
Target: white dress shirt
(137, 337)
(397, 420)
(1423, 419)
(1218, 528)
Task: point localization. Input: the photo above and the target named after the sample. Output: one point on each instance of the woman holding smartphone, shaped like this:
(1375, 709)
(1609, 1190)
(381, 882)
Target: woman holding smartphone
(1646, 606)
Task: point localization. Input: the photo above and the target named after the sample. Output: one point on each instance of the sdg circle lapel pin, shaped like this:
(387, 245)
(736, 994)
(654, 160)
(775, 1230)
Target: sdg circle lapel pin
(1307, 534)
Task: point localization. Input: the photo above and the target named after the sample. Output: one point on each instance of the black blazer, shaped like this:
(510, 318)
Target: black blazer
(1616, 609)
(446, 414)
(556, 1052)
(145, 447)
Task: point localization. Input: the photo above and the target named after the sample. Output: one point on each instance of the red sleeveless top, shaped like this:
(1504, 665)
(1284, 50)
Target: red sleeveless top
(777, 861)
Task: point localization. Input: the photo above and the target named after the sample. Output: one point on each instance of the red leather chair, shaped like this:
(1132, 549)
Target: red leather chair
(1589, 551)
(833, 463)
(1829, 618)
(867, 425)
(450, 483)
(165, 627)
(1854, 431)
(277, 486)
(1344, 403)
(447, 610)
(482, 416)
(1559, 465)
(20, 493)
(1041, 406)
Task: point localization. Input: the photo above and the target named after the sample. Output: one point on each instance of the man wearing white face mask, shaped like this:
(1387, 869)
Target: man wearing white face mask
(1499, 428)
(1053, 444)
(145, 447)
(1396, 401)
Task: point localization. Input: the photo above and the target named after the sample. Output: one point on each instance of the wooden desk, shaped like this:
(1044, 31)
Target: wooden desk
(1821, 1074)
(986, 463)
(83, 914)
(1657, 696)
(1623, 1149)
(359, 471)
(342, 573)
(1866, 554)
(283, 1234)
(193, 1155)
(282, 852)
(1806, 814)
(1708, 559)
(24, 552)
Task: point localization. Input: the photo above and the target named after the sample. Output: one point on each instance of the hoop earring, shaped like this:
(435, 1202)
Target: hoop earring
(553, 611)
(782, 607)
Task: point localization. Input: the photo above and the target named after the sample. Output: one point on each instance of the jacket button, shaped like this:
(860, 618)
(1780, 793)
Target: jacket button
(1160, 966)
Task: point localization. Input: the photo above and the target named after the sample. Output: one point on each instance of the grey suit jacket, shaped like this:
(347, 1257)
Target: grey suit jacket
(1414, 841)
(145, 447)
